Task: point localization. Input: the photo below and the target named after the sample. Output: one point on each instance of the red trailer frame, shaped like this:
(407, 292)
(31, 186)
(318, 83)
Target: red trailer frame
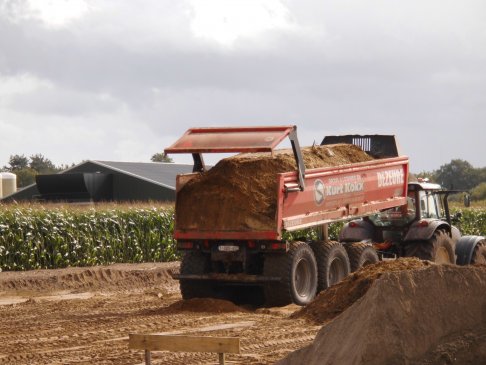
(306, 198)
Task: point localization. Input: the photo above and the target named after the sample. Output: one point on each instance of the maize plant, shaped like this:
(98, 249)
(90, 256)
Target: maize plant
(472, 222)
(40, 238)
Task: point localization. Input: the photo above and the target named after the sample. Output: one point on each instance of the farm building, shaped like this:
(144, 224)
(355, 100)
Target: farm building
(106, 181)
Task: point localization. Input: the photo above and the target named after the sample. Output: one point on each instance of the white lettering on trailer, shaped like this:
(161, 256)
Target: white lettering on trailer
(337, 186)
(353, 187)
(390, 177)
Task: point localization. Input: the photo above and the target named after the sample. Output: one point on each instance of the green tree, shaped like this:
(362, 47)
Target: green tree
(458, 174)
(42, 164)
(161, 157)
(479, 192)
(27, 168)
(17, 162)
(25, 177)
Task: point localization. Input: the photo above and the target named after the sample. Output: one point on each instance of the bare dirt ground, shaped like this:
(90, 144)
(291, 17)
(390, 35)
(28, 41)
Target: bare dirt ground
(84, 316)
(397, 312)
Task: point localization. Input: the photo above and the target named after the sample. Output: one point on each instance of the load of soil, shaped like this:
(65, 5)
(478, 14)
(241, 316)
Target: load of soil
(204, 305)
(240, 192)
(433, 315)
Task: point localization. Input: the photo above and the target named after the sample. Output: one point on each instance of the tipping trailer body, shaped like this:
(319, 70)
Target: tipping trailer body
(331, 194)
(306, 197)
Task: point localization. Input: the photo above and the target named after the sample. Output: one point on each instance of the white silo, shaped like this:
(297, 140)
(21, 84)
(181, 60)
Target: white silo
(9, 183)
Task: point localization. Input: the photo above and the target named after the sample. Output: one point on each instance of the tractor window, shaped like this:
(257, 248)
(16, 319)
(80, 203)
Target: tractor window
(440, 206)
(430, 205)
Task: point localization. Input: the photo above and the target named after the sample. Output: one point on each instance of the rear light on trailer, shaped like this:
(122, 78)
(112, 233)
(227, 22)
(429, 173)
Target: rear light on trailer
(185, 245)
(206, 244)
(251, 244)
(278, 246)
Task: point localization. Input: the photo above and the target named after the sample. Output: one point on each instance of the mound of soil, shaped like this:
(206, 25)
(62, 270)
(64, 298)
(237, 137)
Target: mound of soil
(204, 305)
(240, 192)
(111, 277)
(434, 315)
(335, 300)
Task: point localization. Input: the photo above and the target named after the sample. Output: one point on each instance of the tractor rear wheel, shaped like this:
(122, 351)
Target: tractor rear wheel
(332, 263)
(298, 272)
(195, 263)
(439, 248)
(361, 254)
(479, 254)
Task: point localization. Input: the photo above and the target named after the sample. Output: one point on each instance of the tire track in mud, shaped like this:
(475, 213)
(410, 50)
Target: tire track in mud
(96, 330)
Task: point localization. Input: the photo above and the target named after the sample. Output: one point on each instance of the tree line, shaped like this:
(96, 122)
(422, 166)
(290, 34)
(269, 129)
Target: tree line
(26, 168)
(457, 174)
(460, 175)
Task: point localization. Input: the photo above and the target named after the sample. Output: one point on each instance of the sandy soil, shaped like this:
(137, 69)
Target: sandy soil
(403, 311)
(84, 316)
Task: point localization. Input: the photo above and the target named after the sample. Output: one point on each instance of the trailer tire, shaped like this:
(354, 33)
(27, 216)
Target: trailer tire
(439, 248)
(195, 263)
(479, 254)
(332, 263)
(361, 254)
(298, 272)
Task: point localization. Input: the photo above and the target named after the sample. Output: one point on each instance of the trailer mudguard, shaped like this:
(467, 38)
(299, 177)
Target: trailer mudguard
(356, 230)
(465, 249)
(424, 229)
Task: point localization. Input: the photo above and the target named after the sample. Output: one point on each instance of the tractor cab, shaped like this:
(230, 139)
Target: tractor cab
(425, 201)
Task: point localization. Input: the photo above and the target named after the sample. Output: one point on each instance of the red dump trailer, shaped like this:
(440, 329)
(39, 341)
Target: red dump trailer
(287, 270)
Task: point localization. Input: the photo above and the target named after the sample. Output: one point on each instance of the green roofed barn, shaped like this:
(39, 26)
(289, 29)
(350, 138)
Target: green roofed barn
(106, 181)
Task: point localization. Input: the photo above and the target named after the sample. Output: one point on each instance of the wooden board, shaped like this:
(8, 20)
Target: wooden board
(184, 343)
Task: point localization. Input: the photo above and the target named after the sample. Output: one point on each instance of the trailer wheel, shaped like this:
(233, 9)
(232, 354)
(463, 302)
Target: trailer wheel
(298, 272)
(439, 249)
(194, 263)
(332, 263)
(361, 254)
(479, 254)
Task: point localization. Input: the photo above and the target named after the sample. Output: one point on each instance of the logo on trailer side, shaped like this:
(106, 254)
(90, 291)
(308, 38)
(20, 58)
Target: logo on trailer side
(319, 192)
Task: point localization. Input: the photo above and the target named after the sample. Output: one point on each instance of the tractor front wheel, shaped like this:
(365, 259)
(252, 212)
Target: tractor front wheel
(479, 254)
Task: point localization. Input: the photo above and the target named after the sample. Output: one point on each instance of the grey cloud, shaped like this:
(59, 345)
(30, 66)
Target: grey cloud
(367, 68)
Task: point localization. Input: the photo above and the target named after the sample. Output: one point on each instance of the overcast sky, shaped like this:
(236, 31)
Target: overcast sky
(120, 79)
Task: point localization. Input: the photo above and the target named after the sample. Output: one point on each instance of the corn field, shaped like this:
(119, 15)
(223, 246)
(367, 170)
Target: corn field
(44, 238)
(473, 221)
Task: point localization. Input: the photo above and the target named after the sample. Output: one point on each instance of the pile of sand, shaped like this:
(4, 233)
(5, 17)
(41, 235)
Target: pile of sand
(335, 300)
(433, 315)
(240, 192)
